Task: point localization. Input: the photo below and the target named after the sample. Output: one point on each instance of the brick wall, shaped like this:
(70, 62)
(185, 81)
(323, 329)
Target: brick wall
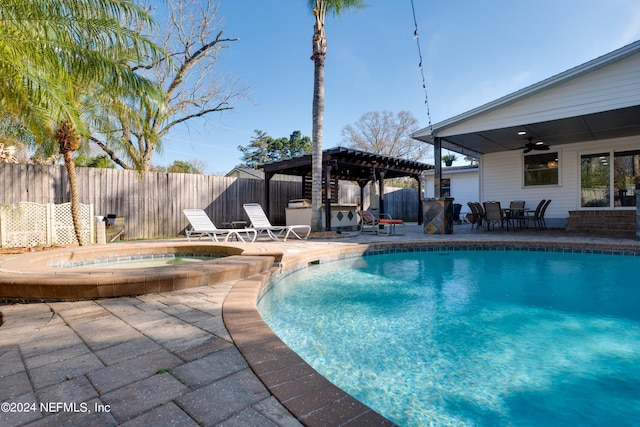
(616, 223)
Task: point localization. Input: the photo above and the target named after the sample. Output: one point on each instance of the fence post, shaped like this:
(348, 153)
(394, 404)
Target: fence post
(3, 234)
(50, 222)
(92, 225)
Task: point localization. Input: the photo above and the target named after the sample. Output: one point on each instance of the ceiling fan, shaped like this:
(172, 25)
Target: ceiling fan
(538, 146)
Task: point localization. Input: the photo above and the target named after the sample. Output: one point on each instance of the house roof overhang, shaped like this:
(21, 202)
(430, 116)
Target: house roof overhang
(601, 122)
(349, 164)
(591, 127)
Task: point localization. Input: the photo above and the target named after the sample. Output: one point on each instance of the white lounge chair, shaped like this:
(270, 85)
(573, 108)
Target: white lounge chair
(260, 222)
(201, 225)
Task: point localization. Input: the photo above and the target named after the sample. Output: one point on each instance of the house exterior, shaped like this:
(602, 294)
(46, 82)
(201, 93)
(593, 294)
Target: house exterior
(460, 182)
(250, 173)
(247, 173)
(573, 138)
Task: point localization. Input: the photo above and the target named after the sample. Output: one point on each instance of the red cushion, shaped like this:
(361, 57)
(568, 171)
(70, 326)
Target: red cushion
(391, 221)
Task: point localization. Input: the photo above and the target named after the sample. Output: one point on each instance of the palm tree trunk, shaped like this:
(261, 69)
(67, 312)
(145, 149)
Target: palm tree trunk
(316, 153)
(75, 198)
(319, 53)
(69, 140)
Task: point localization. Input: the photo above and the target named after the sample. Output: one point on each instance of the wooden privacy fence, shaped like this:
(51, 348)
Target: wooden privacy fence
(152, 202)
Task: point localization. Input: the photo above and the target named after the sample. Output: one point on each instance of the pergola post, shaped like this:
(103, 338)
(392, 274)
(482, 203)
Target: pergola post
(327, 193)
(381, 186)
(420, 208)
(362, 183)
(267, 192)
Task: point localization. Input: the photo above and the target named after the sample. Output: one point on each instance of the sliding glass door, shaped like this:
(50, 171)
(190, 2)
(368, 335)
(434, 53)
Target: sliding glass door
(606, 184)
(626, 177)
(595, 180)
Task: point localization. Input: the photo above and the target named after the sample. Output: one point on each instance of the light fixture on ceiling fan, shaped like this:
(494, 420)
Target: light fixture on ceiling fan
(538, 146)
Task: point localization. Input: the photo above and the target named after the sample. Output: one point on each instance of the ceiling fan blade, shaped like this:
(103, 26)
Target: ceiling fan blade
(537, 146)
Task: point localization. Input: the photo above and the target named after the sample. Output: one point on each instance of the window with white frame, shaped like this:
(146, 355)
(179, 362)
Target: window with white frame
(445, 187)
(541, 169)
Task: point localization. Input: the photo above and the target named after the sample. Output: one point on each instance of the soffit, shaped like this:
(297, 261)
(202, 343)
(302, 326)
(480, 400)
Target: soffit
(590, 127)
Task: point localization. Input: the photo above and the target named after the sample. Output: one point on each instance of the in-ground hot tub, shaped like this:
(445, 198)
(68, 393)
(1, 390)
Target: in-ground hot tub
(51, 275)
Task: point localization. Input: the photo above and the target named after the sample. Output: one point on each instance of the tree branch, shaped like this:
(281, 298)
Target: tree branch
(193, 116)
(112, 155)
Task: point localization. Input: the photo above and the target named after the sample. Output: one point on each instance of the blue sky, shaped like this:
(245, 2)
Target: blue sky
(473, 52)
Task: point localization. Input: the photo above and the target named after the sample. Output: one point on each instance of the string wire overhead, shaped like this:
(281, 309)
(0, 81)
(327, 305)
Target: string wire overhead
(416, 36)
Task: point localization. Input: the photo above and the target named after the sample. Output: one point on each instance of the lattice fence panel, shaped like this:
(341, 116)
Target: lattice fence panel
(24, 224)
(32, 224)
(62, 231)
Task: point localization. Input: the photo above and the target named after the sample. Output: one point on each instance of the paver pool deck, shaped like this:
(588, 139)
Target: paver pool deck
(198, 356)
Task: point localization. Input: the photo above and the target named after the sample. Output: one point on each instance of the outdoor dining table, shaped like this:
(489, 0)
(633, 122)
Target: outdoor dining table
(506, 214)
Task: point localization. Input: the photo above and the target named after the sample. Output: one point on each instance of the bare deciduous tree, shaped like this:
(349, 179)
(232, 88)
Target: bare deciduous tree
(192, 37)
(386, 134)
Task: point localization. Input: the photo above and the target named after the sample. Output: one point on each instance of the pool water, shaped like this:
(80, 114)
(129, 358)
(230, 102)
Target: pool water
(472, 338)
(143, 262)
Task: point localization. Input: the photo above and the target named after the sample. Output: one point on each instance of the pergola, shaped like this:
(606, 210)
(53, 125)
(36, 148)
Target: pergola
(350, 165)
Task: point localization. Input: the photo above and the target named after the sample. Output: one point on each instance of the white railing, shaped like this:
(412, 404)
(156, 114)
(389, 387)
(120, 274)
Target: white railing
(33, 224)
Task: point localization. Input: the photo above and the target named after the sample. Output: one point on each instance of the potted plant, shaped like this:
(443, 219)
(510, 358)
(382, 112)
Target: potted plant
(448, 159)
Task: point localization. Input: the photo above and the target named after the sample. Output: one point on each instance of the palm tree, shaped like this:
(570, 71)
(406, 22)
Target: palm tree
(320, 9)
(54, 54)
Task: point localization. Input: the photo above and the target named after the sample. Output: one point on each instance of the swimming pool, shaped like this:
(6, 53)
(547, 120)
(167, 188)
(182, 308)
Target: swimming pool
(472, 337)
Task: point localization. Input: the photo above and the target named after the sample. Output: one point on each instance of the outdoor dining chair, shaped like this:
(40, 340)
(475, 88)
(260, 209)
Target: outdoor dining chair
(536, 215)
(477, 214)
(493, 215)
(542, 213)
(515, 215)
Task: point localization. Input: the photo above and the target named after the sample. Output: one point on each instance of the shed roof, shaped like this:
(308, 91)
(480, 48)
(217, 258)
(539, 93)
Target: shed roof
(457, 169)
(255, 173)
